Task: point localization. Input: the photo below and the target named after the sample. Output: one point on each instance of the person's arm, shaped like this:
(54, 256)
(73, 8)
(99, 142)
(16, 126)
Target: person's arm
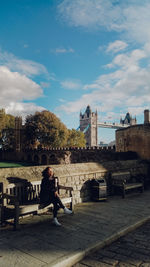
(56, 187)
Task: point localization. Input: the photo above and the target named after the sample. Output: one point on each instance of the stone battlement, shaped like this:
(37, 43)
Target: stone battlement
(65, 155)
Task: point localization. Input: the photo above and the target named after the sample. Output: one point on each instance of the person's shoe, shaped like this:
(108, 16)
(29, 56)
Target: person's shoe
(67, 211)
(56, 222)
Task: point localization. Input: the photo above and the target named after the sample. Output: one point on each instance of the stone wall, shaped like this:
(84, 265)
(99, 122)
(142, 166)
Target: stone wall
(65, 156)
(78, 175)
(135, 138)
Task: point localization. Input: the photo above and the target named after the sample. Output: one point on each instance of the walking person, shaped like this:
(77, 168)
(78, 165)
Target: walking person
(49, 194)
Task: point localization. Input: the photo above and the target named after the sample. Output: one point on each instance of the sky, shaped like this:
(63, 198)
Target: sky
(62, 55)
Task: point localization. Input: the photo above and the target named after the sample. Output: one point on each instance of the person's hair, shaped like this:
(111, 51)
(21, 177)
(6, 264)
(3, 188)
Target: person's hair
(44, 172)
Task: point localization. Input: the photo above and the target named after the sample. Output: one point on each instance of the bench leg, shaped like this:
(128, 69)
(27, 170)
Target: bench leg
(2, 212)
(142, 189)
(16, 217)
(2, 215)
(123, 192)
(71, 206)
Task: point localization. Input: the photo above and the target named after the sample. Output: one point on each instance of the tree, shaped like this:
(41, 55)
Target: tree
(7, 125)
(7, 121)
(76, 138)
(45, 129)
(7, 139)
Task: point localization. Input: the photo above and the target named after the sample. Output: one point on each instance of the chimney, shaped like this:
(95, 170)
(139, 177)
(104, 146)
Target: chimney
(146, 116)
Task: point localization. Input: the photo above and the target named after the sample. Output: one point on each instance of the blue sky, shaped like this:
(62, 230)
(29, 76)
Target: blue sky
(64, 55)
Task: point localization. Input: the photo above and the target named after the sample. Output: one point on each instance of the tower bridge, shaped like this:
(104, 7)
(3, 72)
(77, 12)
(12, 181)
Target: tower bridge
(89, 125)
(113, 125)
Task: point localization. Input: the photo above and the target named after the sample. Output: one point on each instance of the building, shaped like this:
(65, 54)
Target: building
(135, 138)
(88, 125)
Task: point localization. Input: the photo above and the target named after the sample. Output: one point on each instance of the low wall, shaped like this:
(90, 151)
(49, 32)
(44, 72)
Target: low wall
(77, 175)
(66, 156)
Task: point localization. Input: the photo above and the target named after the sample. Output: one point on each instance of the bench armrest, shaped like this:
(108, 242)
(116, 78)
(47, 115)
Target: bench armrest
(7, 196)
(66, 188)
(14, 200)
(119, 181)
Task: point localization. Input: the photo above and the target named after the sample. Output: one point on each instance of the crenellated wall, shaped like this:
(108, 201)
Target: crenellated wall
(65, 156)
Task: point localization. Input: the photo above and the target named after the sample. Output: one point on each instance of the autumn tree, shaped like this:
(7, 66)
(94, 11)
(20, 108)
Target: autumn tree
(45, 129)
(6, 120)
(76, 138)
(7, 125)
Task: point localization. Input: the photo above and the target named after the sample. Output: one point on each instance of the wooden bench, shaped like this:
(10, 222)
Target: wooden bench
(123, 181)
(23, 199)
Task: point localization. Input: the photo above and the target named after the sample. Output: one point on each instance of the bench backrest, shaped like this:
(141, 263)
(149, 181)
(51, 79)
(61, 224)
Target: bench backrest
(119, 176)
(25, 192)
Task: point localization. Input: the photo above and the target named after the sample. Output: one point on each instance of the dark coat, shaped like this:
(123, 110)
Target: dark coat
(48, 188)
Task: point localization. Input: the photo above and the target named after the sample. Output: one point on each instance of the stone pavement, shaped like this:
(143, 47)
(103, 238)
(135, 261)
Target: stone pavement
(92, 226)
(130, 250)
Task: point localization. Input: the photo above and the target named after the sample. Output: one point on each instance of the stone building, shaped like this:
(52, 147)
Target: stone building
(135, 138)
(88, 125)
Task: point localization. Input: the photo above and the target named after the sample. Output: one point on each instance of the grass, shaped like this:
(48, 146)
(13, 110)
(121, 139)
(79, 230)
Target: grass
(13, 164)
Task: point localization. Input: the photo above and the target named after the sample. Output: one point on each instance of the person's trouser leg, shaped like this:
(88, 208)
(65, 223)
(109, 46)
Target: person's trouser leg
(57, 204)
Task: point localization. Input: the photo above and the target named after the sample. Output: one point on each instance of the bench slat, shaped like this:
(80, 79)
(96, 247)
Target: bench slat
(132, 186)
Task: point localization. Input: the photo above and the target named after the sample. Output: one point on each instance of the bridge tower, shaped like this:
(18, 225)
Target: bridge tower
(88, 125)
(128, 119)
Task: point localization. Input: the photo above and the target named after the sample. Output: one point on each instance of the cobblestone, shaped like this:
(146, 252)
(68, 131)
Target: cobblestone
(128, 251)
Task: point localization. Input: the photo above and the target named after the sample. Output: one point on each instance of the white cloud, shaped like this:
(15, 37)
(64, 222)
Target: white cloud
(63, 50)
(16, 85)
(62, 100)
(27, 67)
(90, 13)
(25, 45)
(137, 22)
(137, 110)
(116, 46)
(71, 84)
(131, 17)
(127, 87)
(22, 109)
(15, 88)
(45, 84)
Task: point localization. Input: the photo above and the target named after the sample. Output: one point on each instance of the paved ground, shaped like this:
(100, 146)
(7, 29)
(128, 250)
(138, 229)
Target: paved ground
(91, 227)
(131, 250)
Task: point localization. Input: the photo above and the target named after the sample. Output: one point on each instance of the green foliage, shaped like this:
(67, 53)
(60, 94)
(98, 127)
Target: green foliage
(7, 139)
(6, 120)
(76, 139)
(9, 121)
(45, 129)
(7, 124)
